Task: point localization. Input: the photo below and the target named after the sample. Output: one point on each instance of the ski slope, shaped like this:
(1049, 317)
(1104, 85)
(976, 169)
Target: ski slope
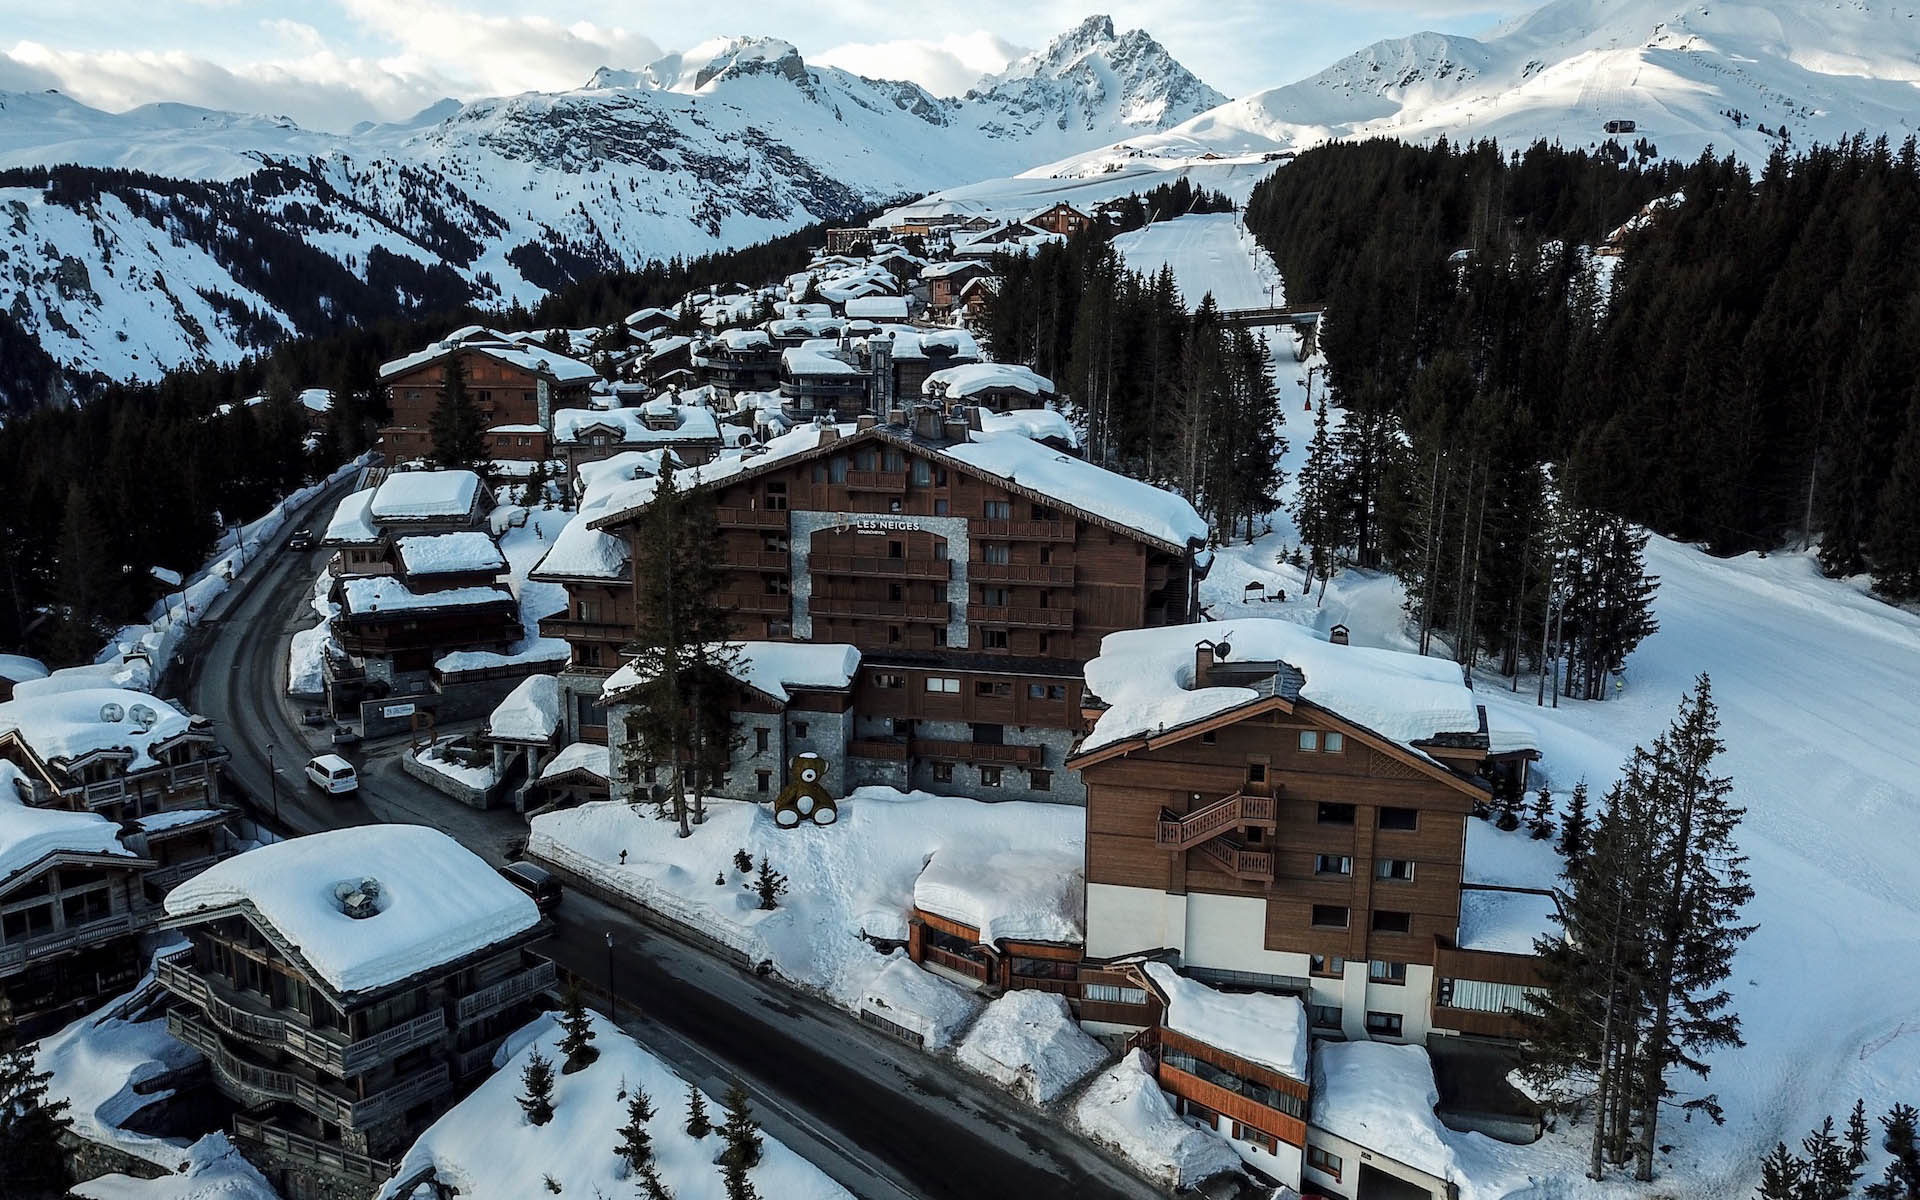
(1208, 252)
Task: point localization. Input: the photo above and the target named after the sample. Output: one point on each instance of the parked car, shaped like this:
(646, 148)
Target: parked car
(536, 882)
(302, 539)
(331, 773)
(345, 735)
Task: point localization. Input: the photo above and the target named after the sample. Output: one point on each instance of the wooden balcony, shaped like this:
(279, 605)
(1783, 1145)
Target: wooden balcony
(755, 602)
(885, 568)
(1238, 811)
(167, 877)
(535, 979)
(371, 1171)
(878, 610)
(1021, 531)
(76, 936)
(255, 1084)
(877, 481)
(979, 752)
(1043, 618)
(1229, 854)
(1282, 1126)
(731, 517)
(327, 1049)
(959, 964)
(575, 629)
(1048, 574)
(756, 560)
(880, 748)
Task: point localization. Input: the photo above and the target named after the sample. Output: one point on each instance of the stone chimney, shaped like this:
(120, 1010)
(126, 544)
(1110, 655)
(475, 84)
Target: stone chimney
(865, 421)
(1202, 664)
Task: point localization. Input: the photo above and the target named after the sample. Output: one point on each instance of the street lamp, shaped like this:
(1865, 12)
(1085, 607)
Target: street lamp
(613, 998)
(273, 785)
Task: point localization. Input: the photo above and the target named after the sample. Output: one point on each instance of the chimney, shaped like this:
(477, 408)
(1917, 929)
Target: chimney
(829, 434)
(955, 430)
(1202, 664)
(972, 412)
(926, 421)
(865, 421)
(897, 417)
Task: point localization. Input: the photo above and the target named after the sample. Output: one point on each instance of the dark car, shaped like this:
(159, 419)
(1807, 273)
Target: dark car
(536, 882)
(302, 539)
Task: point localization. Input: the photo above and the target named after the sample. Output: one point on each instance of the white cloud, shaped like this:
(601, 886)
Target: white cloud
(496, 55)
(947, 67)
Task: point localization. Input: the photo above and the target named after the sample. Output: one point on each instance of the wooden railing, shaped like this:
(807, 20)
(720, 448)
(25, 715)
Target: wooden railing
(876, 481)
(755, 560)
(514, 988)
(1236, 860)
(1236, 811)
(978, 752)
(754, 602)
(574, 627)
(324, 1154)
(1024, 531)
(166, 877)
(1045, 618)
(16, 953)
(972, 968)
(1037, 983)
(892, 751)
(729, 516)
(893, 568)
(1047, 573)
(839, 606)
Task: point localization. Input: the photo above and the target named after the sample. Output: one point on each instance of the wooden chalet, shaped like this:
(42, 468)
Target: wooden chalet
(515, 387)
(1063, 219)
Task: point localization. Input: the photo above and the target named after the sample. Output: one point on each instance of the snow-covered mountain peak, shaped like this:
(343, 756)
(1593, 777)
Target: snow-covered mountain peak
(1090, 77)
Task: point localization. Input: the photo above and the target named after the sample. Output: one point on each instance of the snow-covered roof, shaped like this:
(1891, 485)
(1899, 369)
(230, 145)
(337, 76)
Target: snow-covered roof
(530, 713)
(1126, 502)
(772, 668)
(1028, 1040)
(916, 999)
(72, 724)
(352, 521)
(692, 423)
(641, 316)
(384, 593)
(316, 399)
(28, 835)
(417, 495)
(579, 756)
(809, 359)
(910, 342)
(450, 553)
(438, 901)
(16, 667)
(1381, 1096)
(500, 347)
(970, 379)
(625, 497)
(176, 818)
(1146, 678)
(805, 327)
(878, 308)
(1262, 1028)
(738, 340)
(1505, 922)
(940, 270)
(1024, 895)
(1033, 423)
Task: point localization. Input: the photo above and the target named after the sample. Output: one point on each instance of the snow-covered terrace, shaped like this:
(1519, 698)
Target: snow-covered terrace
(438, 902)
(1269, 1030)
(30, 835)
(1018, 895)
(424, 495)
(771, 668)
(67, 725)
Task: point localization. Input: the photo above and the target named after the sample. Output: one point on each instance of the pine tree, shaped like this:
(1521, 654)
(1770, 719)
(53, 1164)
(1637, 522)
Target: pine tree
(1896, 536)
(1573, 830)
(459, 437)
(740, 1131)
(87, 586)
(33, 1162)
(651, 1186)
(1540, 815)
(636, 1144)
(1316, 508)
(537, 1079)
(534, 493)
(769, 885)
(1829, 1173)
(742, 861)
(698, 1126)
(1859, 1137)
(1781, 1175)
(1901, 1179)
(734, 1179)
(576, 1040)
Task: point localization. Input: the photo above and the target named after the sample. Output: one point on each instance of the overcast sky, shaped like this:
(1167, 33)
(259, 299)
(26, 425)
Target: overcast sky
(331, 63)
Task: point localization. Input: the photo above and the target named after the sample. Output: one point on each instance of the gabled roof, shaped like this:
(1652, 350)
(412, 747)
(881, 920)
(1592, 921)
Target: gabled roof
(34, 839)
(501, 347)
(70, 727)
(771, 668)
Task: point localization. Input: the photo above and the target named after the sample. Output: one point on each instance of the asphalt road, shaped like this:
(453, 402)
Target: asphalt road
(882, 1119)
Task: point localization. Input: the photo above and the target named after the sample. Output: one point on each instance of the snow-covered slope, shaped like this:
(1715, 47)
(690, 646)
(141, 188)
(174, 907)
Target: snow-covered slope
(1688, 73)
(727, 144)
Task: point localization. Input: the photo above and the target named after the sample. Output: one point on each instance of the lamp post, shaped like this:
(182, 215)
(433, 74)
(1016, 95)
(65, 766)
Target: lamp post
(273, 784)
(613, 997)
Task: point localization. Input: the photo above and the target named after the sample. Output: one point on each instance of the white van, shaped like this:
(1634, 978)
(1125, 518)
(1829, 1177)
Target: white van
(331, 773)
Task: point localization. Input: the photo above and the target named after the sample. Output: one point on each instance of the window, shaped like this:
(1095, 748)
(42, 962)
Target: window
(1325, 1016)
(999, 510)
(997, 690)
(990, 777)
(1330, 916)
(1039, 780)
(1209, 738)
(779, 629)
(893, 634)
(1336, 814)
(1333, 743)
(1331, 965)
(886, 679)
(1107, 993)
(27, 922)
(1387, 972)
(1256, 772)
(922, 473)
(1384, 1024)
(1323, 1162)
(775, 585)
(760, 738)
(1332, 864)
(1399, 818)
(988, 734)
(763, 781)
(776, 495)
(896, 549)
(1248, 1133)
(1309, 739)
(940, 507)
(1046, 691)
(996, 552)
(1394, 868)
(941, 683)
(1385, 921)
(1042, 513)
(995, 597)
(993, 639)
(943, 772)
(774, 543)
(799, 729)
(896, 593)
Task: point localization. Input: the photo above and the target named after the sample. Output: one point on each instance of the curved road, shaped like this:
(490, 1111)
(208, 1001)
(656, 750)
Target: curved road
(884, 1120)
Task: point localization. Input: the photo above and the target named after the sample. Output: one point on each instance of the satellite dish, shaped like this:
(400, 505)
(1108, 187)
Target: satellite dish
(143, 716)
(1222, 650)
(112, 713)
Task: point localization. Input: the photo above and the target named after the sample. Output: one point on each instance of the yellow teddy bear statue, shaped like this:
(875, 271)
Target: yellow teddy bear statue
(805, 797)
